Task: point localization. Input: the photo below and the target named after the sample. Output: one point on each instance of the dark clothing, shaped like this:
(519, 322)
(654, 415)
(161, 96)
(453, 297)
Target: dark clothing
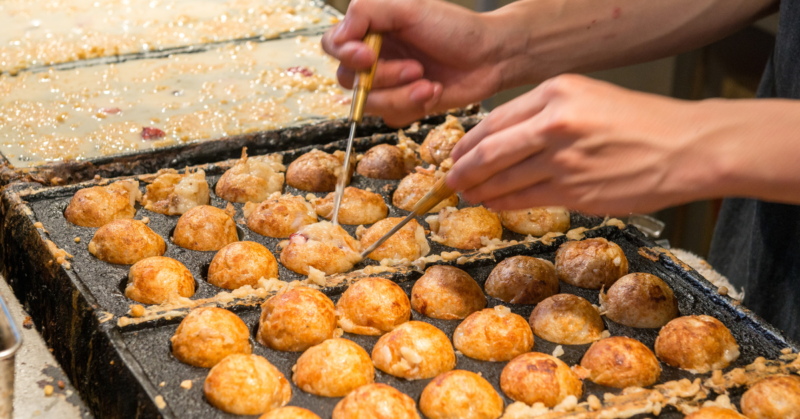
(757, 244)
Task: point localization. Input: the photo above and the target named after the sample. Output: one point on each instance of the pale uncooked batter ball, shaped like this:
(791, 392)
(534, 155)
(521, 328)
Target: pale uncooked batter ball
(539, 378)
(640, 300)
(316, 171)
(321, 246)
(448, 293)
(252, 179)
(125, 242)
(205, 228)
(621, 362)
(466, 228)
(591, 263)
(358, 207)
(242, 263)
(376, 401)
(207, 335)
(289, 412)
(698, 344)
(100, 205)
(414, 186)
(414, 351)
(567, 319)
(715, 413)
(493, 334)
(522, 280)
(536, 221)
(279, 216)
(284, 328)
(773, 398)
(408, 243)
(460, 394)
(159, 279)
(246, 385)
(373, 306)
(333, 368)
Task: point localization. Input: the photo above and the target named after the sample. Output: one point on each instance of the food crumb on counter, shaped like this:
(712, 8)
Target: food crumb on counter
(146, 220)
(111, 363)
(61, 384)
(160, 403)
(186, 384)
(27, 323)
(137, 310)
(77, 239)
(558, 351)
(162, 384)
(722, 290)
(48, 390)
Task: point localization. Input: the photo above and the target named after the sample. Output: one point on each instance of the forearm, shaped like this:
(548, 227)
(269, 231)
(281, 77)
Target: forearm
(543, 38)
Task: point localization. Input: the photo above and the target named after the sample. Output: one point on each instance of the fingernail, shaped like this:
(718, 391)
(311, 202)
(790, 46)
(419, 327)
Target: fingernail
(434, 100)
(421, 93)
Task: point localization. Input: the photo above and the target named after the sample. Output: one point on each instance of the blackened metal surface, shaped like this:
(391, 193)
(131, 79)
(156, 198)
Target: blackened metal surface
(120, 370)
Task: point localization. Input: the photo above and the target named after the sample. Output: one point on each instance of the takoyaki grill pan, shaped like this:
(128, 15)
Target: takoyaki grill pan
(128, 371)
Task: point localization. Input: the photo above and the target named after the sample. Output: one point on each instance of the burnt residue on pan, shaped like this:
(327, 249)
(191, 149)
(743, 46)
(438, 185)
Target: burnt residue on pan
(119, 370)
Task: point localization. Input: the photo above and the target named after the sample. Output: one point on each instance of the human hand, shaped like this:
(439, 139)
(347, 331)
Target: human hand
(435, 56)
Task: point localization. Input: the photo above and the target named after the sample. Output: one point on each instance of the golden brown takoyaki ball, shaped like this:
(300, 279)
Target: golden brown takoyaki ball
(621, 362)
(322, 246)
(460, 394)
(289, 412)
(158, 279)
(205, 228)
(125, 242)
(172, 193)
(536, 221)
(99, 205)
(465, 228)
(698, 344)
(246, 385)
(279, 216)
(567, 319)
(440, 141)
(333, 368)
(296, 319)
(207, 335)
(317, 171)
(373, 306)
(539, 378)
(715, 413)
(493, 334)
(242, 263)
(773, 398)
(376, 401)
(358, 207)
(448, 293)
(522, 280)
(591, 263)
(252, 179)
(386, 161)
(414, 351)
(414, 186)
(640, 300)
(408, 243)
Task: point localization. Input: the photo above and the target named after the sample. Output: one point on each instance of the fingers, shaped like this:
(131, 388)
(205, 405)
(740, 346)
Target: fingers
(388, 74)
(402, 105)
(524, 174)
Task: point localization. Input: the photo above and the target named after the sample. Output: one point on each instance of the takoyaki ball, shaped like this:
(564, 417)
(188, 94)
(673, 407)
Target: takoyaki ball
(241, 263)
(279, 216)
(358, 207)
(414, 186)
(567, 319)
(539, 378)
(321, 246)
(408, 243)
(465, 228)
(125, 242)
(460, 394)
(333, 368)
(386, 161)
(591, 263)
(714, 412)
(316, 171)
(441, 140)
(536, 221)
(640, 300)
(205, 228)
(296, 319)
(493, 334)
(172, 193)
(246, 385)
(99, 205)
(522, 280)
(448, 293)
(621, 362)
(698, 344)
(252, 179)
(209, 334)
(773, 398)
(375, 401)
(289, 412)
(373, 306)
(414, 351)
(158, 279)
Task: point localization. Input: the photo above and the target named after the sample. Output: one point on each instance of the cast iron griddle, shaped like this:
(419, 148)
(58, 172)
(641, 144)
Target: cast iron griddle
(119, 369)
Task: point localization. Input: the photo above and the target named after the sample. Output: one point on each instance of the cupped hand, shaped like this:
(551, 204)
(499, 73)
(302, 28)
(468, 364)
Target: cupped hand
(590, 146)
(435, 56)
